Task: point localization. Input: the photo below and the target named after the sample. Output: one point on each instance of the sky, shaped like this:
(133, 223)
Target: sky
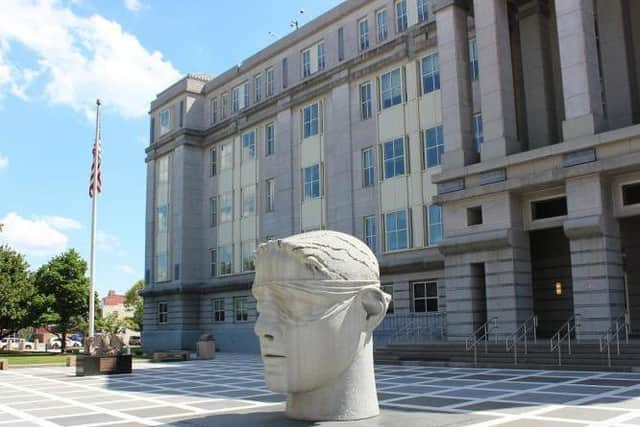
(56, 58)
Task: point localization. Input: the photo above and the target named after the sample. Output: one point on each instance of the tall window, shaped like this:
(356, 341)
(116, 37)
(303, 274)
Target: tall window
(370, 233)
(165, 121)
(240, 309)
(396, 231)
(340, 44)
(225, 105)
(321, 57)
(312, 182)
(381, 25)
(363, 33)
(430, 73)
(425, 297)
(313, 59)
(258, 87)
(365, 101)
(226, 259)
(161, 243)
(269, 73)
(423, 10)
(249, 146)
(235, 99)
(368, 169)
(401, 16)
(249, 201)
(433, 146)
(245, 93)
(163, 313)
(270, 195)
(285, 73)
(306, 63)
(226, 207)
(213, 157)
(226, 156)
(214, 110)
(434, 213)
(248, 251)
(478, 132)
(218, 309)
(391, 88)
(393, 158)
(310, 120)
(213, 211)
(473, 59)
(213, 263)
(269, 139)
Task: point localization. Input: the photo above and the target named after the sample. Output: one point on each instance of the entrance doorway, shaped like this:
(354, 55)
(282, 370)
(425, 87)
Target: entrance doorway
(630, 236)
(478, 295)
(551, 279)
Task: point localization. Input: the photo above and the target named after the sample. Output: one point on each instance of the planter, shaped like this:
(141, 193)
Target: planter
(103, 365)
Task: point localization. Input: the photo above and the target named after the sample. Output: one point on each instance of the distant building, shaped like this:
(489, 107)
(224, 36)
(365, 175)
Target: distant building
(114, 303)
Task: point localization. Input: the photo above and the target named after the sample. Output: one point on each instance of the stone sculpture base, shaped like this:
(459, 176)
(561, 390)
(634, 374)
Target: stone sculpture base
(103, 365)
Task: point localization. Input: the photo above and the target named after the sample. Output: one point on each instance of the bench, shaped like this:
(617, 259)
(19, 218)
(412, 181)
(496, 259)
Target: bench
(4, 364)
(170, 356)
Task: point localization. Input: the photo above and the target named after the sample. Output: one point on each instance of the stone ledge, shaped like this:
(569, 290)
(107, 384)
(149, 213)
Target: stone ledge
(585, 227)
(486, 240)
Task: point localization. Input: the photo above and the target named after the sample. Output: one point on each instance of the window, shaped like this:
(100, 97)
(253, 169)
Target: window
(152, 130)
(401, 16)
(165, 121)
(181, 114)
(240, 310)
(240, 97)
(391, 88)
(213, 263)
(225, 105)
(425, 297)
(474, 215)
(370, 233)
(430, 73)
(433, 146)
(312, 182)
(226, 259)
(214, 110)
(248, 146)
(396, 232)
(423, 10)
(245, 92)
(235, 99)
(393, 158)
(340, 44)
(365, 101)
(306, 63)
(248, 251)
(478, 132)
(631, 194)
(218, 309)
(213, 157)
(473, 59)
(313, 59)
(363, 34)
(163, 313)
(161, 220)
(549, 208)
(381, 24)
(258, 88)
(249, 201)
(226, 207)
(226, 156)
(368, 171)
(213, 211)
(285, 73)
(270, 195)
(321, 58)
(269, 139)
(434, 219)
(269, 82)
(310, 120)
(388, 289)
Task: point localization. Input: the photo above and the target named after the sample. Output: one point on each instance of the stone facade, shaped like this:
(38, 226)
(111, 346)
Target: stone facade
(461, 148)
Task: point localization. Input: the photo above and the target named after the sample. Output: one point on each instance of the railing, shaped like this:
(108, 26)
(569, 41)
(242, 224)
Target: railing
(563, 333)
(621, 323)
(410, 328)
(522, 333)
(479, 335)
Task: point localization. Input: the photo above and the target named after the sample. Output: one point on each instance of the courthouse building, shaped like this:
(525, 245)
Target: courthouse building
(488, 152)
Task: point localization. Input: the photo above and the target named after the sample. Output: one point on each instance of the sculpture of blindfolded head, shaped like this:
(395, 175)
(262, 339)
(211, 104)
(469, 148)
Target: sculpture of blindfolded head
(319, 299)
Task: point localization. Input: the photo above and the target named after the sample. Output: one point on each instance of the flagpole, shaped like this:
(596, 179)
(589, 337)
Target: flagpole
(94, 206)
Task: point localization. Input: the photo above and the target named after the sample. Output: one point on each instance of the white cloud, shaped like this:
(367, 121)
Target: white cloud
(4, 161)
(79, 59)
(126, 269)
(109, 243)
(31, 237)
(133, 5)
(62, 223)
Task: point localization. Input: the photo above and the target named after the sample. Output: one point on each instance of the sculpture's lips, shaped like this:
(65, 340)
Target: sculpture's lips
(274, 355)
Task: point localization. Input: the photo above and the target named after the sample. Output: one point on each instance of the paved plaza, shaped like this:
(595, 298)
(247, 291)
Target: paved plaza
(230, 392)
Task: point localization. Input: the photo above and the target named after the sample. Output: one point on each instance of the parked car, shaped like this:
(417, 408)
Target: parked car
(16, 344)
(56, 343)
(134, 340)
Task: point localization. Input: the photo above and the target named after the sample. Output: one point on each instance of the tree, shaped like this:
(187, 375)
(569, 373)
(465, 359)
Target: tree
(111, 324)
(63, 280)
(133, 300)
(20, 305)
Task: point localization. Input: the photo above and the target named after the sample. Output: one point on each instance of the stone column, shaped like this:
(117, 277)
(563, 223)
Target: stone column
(536, 64)
(455, 83)
(580, 73)
(496, 79)
(596, 256)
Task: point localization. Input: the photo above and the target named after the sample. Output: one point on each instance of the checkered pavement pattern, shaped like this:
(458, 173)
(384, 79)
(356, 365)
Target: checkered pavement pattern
(194, 393)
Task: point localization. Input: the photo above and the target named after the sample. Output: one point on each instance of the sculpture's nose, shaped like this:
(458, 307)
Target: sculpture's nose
(267, 327)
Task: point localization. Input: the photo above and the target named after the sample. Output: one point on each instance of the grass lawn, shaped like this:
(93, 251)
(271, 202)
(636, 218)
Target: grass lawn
(24, 358)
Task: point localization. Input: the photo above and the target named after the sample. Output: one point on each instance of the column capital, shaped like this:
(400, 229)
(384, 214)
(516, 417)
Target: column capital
(441, 4)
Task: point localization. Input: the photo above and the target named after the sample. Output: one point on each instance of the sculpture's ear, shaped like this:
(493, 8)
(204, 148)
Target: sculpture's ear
(375, 303)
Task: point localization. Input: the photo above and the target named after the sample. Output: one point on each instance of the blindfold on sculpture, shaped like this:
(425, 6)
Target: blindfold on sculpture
(321, 287)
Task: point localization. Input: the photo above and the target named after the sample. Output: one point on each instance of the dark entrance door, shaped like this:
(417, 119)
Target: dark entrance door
(630, 236)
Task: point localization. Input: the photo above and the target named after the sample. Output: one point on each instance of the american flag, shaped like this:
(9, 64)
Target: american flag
(96, 169)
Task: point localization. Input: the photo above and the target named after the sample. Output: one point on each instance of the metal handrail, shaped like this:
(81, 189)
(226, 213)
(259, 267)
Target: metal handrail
(472, 341)
(621, 322)
(522, 333)
(556, 340)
